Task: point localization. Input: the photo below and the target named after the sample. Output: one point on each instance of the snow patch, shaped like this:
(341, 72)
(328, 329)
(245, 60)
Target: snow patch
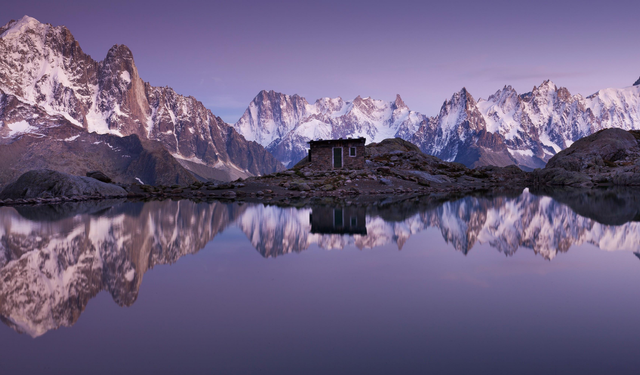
(125, 76)
(72, 138)
(20, 127)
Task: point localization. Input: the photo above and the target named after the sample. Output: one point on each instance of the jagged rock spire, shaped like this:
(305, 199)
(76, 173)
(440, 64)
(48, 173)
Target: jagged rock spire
(399, 103)
(637, 83)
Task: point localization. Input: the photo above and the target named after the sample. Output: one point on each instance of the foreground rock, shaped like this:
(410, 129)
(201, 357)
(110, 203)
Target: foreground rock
(64, 147)
(608, 157)
(45, 184)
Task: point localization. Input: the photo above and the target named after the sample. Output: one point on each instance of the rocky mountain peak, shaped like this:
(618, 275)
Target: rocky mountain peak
(327, 105)
(506, 95)
(544, 87)
(461, 98)
(119, 52)
(119, 64)
(15, 28)
(637, 83)
(399, 103)
(265, 97)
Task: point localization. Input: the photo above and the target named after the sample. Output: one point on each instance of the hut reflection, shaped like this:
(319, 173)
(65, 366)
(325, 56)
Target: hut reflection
(338, 220)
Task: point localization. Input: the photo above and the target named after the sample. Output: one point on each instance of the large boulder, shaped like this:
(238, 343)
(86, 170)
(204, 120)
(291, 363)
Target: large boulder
(44, 183)
(608, 157)
(390, 145)
(603, 148)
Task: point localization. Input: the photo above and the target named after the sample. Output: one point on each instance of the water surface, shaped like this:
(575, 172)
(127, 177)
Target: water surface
(527, 284)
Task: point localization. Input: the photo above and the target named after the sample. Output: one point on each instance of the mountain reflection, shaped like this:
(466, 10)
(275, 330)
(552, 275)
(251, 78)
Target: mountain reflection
(54, 259)
(53, 263)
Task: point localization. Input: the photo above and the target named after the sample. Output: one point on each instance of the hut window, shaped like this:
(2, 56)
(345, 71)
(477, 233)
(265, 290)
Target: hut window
(352, 151)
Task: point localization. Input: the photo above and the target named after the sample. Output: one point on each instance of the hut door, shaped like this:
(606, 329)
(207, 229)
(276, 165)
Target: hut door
(337, 157)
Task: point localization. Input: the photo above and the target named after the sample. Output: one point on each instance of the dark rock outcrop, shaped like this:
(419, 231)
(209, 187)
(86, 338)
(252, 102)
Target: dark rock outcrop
(99, 176)
(64, 147)
(608, 157)
(46, 183)
(390, 145)
(637, 82)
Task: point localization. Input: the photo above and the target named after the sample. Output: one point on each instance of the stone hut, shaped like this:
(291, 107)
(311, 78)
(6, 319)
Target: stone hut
(337, 153)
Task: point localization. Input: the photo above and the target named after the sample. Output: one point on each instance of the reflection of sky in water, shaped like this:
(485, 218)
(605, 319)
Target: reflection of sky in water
(380, 310)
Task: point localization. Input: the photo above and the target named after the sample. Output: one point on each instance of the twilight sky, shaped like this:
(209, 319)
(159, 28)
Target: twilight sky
(225, 52)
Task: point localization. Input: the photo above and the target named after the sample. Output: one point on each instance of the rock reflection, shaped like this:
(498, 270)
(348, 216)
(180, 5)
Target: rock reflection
(53, 260)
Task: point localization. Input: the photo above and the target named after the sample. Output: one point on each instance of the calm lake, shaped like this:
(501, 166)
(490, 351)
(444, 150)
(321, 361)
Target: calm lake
(524, 284)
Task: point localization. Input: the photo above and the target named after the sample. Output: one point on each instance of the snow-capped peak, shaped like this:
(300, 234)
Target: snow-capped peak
(545, 86)
(16, 28)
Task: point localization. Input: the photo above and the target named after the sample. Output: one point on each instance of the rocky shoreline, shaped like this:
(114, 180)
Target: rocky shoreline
(393, 168)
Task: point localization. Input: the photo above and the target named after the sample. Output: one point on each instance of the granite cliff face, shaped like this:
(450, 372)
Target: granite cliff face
(507, 128)
(45, 68)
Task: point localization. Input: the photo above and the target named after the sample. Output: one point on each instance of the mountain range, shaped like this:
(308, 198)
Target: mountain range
(56, 100)
(47, 81)
(506, 128)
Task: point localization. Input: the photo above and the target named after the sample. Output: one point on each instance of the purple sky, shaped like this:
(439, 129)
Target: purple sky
(225, 52)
